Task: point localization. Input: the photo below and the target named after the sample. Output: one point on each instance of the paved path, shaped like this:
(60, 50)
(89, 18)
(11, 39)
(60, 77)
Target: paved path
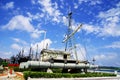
(16, 76)
(7, 77)
(92, 78)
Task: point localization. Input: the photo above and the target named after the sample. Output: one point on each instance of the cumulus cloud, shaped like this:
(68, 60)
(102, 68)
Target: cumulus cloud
(17, 40)
(107, 59)
(110, 20)
(80, 51)
(76, 5)
(90, 29)
(36, 33)
(109, 23)
(42, 45)
(9, 5)
(64, 19)
(23, 23)
(95, 2)
(19, 22)
(19, 44)
(37, 16)
(16, 46)
(100, 57)
(33, 1)
(91, 2)
(5, 55)
(114, 45)
(51, 9)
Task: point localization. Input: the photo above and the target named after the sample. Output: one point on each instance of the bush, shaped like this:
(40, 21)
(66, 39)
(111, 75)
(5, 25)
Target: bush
(20, 70)
(60, 75)
(57, 70)
(26, 74)
(5, 64)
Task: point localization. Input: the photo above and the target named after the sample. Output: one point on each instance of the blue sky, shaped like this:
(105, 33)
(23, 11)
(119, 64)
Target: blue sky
(24, 23)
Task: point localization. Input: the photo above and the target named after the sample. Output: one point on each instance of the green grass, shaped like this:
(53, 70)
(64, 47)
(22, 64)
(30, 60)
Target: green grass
(33, 74)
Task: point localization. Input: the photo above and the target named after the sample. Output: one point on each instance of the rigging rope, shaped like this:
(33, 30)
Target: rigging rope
(84, 44)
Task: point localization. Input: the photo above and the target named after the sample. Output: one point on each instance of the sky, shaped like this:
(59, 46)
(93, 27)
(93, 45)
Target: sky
(24, 24)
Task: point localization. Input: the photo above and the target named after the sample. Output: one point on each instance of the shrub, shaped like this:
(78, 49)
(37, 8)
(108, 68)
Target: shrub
(26, 74)
(65, 75)
(20, 70)
(5, 64)
(57, 70)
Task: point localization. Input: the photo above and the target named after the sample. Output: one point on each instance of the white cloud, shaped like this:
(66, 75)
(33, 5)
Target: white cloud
(81, 52)
(81, 1)
(33, 1)
(109, 24)
(90, 29)
(9, 5)
(20, 44)
(110, 20)
(62, 3)
(106, 56)
(91, 2)
(16, 46)
(36, 33)
(75, 5)
(22, 23)
(94, 2)
(37, 16)
(64, 20)
(17, 40)
(114, 45)
(5, 55)
(100, 57)
(51, 9)
(118, 5)
(47, 6)
(106, 59)
(19, 22)
(42, 45)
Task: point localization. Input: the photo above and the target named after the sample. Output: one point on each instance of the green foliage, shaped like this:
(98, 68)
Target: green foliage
(65, 75)
(1, 60)
(20, 70)
(26, 74)
(5, 63)
(57, 70)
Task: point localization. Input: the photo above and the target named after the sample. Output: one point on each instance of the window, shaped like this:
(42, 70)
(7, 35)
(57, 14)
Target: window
(65, 56)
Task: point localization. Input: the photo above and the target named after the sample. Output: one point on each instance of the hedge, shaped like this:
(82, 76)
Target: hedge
(60, 75)
(17, 69)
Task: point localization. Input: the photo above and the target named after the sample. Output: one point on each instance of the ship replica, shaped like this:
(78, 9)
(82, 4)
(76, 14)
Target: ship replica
(49, 59)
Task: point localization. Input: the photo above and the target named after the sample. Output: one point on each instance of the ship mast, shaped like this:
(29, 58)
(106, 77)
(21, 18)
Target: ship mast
(69, 40)
(68, 43)
(36, 56)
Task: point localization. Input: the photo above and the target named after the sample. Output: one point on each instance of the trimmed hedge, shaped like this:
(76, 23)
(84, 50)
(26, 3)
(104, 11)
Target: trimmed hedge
(20, 70)
(57, 70)
(65, 75)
